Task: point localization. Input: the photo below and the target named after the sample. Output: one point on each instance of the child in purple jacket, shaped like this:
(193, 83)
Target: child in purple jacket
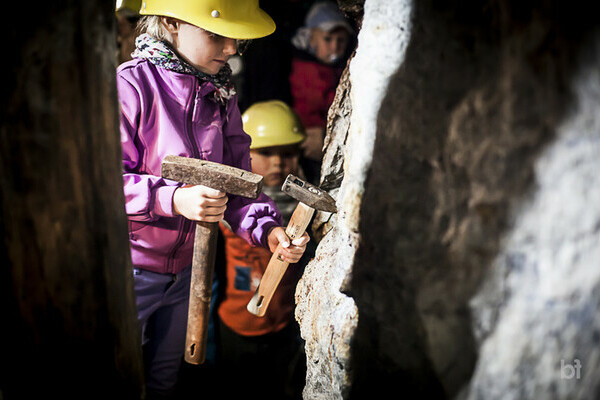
(176, 98)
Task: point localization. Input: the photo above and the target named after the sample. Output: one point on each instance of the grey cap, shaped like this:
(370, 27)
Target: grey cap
(326, 16)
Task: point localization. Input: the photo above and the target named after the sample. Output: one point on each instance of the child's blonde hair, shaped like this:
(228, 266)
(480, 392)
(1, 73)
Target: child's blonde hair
(152, 25)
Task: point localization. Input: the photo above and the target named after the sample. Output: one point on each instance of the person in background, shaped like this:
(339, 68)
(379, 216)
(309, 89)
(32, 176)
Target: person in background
(176, 97)
(127, 13)
(321, 50)
(265, 351)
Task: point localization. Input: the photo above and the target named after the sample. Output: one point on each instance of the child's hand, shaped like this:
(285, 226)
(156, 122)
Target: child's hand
(200, 203)
(291, 252)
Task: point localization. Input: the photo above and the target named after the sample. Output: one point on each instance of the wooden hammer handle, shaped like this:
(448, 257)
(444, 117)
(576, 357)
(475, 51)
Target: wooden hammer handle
(203, 265)
(277, 267)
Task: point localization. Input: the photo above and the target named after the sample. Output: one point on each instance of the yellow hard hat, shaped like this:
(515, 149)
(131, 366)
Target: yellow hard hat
(272, 123)
(235, 19)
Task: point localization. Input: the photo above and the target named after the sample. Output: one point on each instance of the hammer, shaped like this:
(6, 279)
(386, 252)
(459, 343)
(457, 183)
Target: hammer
(310, 198)
(225, 179)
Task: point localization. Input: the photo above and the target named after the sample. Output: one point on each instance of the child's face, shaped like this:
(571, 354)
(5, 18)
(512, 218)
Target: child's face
(329, 46)
(206, 51)
(275, 163)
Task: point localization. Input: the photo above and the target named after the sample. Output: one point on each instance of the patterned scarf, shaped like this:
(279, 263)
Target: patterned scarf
(162, 55)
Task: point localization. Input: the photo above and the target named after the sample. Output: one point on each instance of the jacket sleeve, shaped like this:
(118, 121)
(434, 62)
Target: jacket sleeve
(250, 219)
(147, 197)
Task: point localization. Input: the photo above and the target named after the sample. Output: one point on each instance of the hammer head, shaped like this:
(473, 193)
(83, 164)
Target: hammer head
(308, 194)
(222, 177)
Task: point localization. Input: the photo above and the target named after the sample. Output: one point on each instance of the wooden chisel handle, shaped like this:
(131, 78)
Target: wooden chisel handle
(203, 265)
(277, 267)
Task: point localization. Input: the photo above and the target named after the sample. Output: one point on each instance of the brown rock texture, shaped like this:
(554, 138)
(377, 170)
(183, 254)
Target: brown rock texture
(460, 150)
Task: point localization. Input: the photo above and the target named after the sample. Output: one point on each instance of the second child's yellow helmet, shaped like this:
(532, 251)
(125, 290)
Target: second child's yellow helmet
(272, 123)
(235, 19)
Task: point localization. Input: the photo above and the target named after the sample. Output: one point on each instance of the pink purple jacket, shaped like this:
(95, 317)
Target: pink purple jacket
(165, 112)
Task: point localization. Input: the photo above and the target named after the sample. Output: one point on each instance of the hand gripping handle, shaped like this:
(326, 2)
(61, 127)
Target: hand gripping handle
(277, 267)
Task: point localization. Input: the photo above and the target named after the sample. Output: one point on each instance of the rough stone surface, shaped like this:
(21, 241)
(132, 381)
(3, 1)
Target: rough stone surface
(328, 336)
(327, 316)
(464, 260)
(536, 317)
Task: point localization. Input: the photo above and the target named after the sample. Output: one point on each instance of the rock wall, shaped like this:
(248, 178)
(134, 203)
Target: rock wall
(69, 325)
(464, 260)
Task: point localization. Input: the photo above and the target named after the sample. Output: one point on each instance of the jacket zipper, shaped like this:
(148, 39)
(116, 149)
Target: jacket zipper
(187, 224)
(190, 130)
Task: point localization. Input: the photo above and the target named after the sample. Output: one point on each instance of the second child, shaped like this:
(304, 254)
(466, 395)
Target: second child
(254, 347)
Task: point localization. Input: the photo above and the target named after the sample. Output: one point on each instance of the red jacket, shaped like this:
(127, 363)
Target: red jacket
(313, 87)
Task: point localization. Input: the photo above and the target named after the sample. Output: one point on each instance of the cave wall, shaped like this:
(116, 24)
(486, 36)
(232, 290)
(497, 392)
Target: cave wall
(464, 260)
(69, 327)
